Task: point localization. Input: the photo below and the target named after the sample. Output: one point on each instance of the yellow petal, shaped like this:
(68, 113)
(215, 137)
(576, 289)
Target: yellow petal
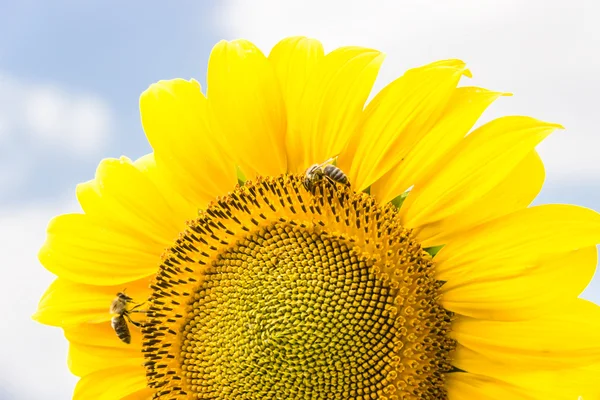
(559, 384)
(83, 249)
(525, 295)
(69, 303)
(176, 196)
(515, 192)
(245, 99)
(87, 359)
(397, 118)
(331, 105)
(566, 338)
(464, 386)
(294, 60)
(111, 384)
(103, 335)
(511, 245)
(95, 347)
(474, 167)
(464, 109)
(175, 118)
(125, 198)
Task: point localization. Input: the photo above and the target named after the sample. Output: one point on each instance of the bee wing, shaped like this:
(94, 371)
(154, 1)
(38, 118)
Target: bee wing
(329, 161)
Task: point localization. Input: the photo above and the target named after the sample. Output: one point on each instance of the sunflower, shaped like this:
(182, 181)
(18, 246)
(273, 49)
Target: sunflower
(427, 277)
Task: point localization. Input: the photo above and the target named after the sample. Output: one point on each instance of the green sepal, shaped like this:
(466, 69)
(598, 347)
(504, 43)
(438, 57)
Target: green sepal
(433, 250)
(398, 200)
(240, 175)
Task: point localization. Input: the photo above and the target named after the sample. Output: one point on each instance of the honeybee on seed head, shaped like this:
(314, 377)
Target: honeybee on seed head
(325, 170)
(120, 307)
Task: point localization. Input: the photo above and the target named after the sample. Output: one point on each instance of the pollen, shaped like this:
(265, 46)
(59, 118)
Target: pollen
(274, 292)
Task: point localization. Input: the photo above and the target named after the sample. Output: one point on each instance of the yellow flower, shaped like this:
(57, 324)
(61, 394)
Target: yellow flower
(275, 291)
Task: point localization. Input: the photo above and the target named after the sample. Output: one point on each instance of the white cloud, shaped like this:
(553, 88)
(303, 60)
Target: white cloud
(34, 356)
(50, 121)
(53, 118)
(16, 171)
(542, 51)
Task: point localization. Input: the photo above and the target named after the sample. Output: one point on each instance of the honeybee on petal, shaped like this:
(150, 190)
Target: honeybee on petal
(120, 307)
(325, 170)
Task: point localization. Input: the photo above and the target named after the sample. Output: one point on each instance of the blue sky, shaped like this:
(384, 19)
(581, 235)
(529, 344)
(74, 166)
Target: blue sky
(111, 52)
(71, 73)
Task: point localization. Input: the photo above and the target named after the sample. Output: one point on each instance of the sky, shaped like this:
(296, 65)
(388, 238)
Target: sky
(71, 74)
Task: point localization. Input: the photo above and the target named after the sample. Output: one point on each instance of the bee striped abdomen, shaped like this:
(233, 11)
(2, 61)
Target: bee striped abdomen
(121, 329)
(336, 174)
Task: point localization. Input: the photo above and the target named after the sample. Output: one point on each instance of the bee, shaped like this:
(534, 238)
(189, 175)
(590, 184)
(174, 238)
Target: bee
(119, 306)
(326, 170)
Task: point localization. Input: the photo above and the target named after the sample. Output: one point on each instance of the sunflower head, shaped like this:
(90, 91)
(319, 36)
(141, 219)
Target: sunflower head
(312, 302)
(285, 241)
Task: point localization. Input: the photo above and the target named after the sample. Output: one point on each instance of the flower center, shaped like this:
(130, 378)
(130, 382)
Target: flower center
(275, 292)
